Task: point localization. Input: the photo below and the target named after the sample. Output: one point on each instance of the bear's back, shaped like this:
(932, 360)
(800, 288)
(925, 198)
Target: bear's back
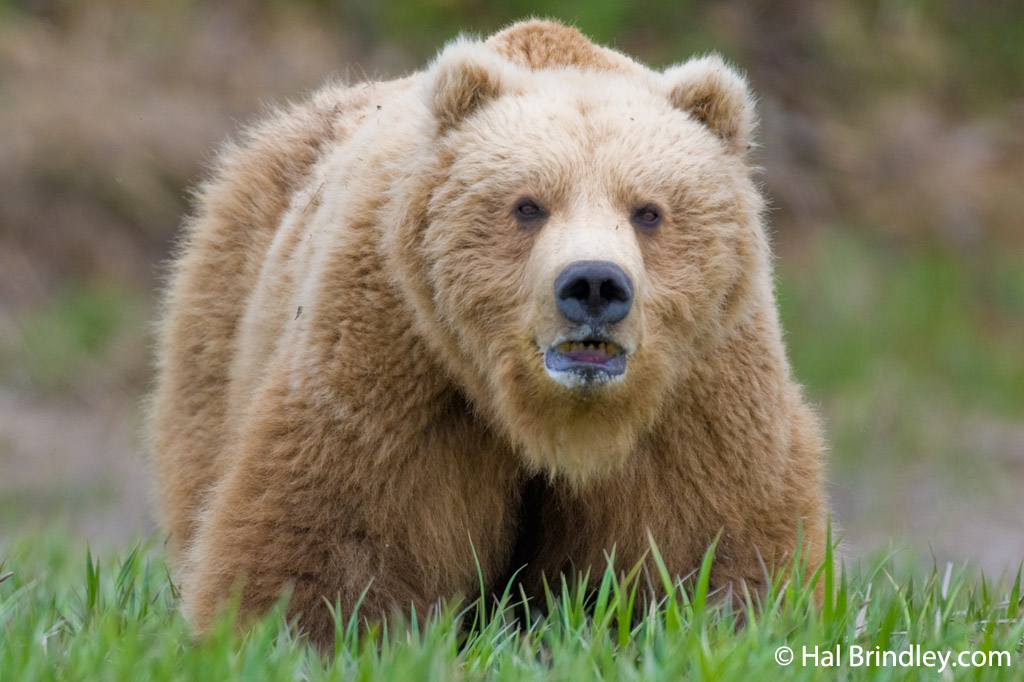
(239, 209)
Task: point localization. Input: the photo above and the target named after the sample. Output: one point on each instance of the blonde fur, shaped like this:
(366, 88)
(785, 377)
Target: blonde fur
(351, 390)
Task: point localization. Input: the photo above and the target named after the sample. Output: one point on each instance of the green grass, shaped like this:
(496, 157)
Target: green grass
(67, 615)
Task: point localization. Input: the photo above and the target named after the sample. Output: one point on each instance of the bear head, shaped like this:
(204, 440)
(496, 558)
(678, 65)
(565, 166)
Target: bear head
(574, 237)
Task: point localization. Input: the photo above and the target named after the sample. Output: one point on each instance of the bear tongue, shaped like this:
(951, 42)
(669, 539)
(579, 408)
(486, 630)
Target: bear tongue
(589, 355)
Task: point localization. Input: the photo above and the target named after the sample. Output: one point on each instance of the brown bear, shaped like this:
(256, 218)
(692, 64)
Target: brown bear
(515, 309)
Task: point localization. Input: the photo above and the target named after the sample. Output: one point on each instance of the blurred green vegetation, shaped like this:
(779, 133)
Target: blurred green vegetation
(71, 335)
(862, 310)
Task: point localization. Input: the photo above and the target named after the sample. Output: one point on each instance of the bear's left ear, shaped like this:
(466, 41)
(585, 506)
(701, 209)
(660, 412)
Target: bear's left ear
(466, 75)
(715, 95)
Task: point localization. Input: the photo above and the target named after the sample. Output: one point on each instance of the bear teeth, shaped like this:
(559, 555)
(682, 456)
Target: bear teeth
(607, 347)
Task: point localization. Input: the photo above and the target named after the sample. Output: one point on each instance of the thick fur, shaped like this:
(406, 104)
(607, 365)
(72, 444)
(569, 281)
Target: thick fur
(351, 391)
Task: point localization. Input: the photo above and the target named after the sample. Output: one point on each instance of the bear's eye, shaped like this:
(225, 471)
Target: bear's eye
(527, 210)
(647, 216)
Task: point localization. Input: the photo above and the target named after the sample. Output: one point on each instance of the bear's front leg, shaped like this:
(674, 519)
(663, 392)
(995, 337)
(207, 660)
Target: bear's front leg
(326, 503)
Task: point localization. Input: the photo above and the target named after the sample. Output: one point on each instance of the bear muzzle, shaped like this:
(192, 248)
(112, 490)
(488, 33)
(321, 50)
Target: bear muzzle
(592, 295)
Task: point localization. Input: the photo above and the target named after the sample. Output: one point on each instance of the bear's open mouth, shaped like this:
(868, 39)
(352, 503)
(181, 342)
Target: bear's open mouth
(590, 359)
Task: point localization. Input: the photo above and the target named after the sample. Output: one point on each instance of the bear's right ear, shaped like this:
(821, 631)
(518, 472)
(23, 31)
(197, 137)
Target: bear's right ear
(465, 76)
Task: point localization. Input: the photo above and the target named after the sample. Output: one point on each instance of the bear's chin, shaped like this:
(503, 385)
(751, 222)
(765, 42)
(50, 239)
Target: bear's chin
(579, 432)
(580, 451)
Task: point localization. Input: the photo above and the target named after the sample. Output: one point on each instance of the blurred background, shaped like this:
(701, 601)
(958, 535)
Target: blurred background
(892, 151)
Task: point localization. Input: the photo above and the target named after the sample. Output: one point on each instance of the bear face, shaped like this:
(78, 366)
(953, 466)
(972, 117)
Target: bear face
(583, 236)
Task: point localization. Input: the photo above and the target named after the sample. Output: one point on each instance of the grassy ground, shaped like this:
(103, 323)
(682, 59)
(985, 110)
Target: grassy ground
(65, 615)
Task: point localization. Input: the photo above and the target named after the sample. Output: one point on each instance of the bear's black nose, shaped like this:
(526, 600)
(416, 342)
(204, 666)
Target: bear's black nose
(593, 292)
